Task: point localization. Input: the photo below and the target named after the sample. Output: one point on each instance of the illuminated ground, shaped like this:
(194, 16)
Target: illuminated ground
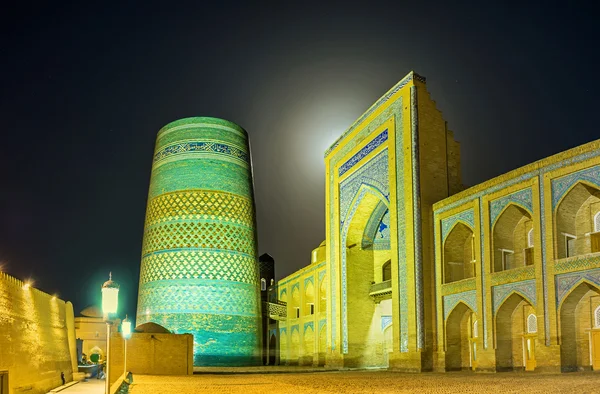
(369, 382)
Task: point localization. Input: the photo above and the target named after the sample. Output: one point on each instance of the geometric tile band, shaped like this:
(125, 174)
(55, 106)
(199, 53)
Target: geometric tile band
(201, 147)
(467, 217)
(526, 289)
(199, 234)
(561, 185)
(522, 198)
(566, 282)
(200, 204)
(195, 264)
(199, 269)
(469, 298)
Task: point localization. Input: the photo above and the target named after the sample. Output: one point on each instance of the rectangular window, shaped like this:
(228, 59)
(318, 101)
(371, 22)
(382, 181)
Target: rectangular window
(312, 309)
(570, 245)
(297, 312)
(507, 259)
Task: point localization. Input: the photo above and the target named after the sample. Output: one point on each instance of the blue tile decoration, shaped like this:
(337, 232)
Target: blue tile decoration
(363, 181)
(522, 198)
(385, 322)
(561, 185)
(416, 187)
(524, 288)
(282, 293)
(296, 328)
(544, 266)
(483, 230)
(361, 154)
(466, 217)
(377, 231)
(295, 286)
(310, 325)
(566, 282)
(394, 110)
(205, 148)
(469, 298)
(282, 330)
(321, 275)
(377, 104)
(308, 280)
(539, 173)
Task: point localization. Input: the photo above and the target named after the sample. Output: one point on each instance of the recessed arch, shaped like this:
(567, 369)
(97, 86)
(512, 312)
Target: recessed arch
(575, 217)
(459, 337)
(510, 238)
(576, 319)
(358, 265)
(510, 328)
(458, 253)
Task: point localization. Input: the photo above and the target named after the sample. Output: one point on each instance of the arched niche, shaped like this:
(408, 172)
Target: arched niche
(458, 255)
(575, 217)
(511, 235)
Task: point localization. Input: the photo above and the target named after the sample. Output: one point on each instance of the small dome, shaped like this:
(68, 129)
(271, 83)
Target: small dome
(152, 328)
(91, 311)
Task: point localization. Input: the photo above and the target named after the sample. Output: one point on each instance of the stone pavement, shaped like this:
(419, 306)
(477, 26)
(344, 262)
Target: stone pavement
(369, 382)
(92, 386)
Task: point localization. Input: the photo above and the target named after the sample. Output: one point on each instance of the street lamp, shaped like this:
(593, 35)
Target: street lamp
(126, 331)
(110, 302)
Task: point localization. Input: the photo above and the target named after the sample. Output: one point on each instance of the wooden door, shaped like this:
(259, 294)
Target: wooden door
(529, 342)
(596, 350)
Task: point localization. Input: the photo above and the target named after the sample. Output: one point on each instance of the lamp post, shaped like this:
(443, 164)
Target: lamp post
(110, 302)
(126, 331)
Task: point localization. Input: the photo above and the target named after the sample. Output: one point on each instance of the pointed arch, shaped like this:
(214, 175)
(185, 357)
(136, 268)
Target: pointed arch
(459, 253)
(510, 237)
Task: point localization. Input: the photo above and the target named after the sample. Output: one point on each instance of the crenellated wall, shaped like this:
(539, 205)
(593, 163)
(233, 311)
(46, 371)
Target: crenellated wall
(37, 339)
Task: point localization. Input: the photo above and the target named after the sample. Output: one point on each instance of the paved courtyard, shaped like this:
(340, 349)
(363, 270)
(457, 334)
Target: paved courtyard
(368, 382)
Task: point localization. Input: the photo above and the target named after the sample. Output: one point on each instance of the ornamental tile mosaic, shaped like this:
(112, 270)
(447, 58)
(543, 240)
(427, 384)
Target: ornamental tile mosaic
(469, 298)
(577, 263)
(364, 152)
(513, 275)
(377, 231)
(198, 264)
(460, 286)
(522, 198)
(200, 205)
(561, 185)
(566, 282)
(308, 325)
(202, 148)
(466, 217)
(199, 235)
(525, 288)
(385, 322)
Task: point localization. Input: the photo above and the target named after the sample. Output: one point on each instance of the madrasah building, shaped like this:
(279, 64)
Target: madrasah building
(417, 274)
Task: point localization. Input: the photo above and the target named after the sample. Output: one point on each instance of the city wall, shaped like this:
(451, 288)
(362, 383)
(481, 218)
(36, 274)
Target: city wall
(37, 338)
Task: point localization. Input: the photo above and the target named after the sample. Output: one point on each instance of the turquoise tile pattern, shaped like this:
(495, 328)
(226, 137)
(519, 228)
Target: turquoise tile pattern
(199, 269)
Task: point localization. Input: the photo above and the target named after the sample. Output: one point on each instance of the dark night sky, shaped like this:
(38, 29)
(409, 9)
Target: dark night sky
(84, 91)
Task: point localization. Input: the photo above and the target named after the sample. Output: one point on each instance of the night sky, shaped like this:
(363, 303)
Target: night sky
(85, 90)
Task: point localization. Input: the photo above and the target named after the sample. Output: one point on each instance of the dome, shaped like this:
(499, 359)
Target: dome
(152, 328)
(91, 311)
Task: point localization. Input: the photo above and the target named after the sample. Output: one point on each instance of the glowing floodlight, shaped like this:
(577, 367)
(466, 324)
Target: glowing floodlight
(110, 296)
(126, 328)
(26, 286)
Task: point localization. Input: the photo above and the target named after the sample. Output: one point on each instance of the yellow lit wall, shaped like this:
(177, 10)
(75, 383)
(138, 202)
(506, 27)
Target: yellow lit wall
(34, 337)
